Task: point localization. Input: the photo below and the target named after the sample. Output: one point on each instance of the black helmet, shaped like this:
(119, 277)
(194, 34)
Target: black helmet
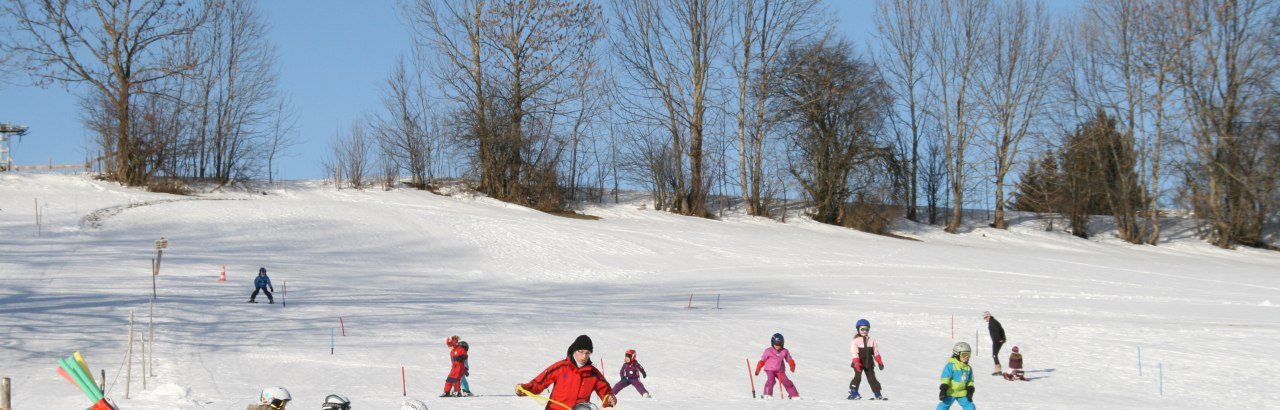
(262, 270)
(777, 340)
(336, 402)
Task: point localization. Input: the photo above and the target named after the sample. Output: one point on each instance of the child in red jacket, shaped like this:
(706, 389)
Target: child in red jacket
(574, 378)
(458, 360)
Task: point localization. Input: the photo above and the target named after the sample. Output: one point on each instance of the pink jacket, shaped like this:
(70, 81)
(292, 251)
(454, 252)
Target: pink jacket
(772, 359)
(864, 350)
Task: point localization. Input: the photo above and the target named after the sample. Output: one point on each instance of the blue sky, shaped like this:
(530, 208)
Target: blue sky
(333, 57)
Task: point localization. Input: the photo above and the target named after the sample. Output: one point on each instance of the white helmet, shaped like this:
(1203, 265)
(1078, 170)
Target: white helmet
(276, 397)
(586, 405)
(413, 405)
(961, 347)
(336, 402)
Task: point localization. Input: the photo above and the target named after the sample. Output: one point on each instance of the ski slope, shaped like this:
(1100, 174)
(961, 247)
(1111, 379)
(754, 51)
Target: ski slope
(404, 269)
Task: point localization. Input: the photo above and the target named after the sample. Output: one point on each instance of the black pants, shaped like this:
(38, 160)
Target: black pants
(995, 350)
(871, 379)
(264, 291)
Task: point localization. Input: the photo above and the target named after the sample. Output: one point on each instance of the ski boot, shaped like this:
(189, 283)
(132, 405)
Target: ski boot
(998, 370)
(467, 393)
(853, 395)
(878, 397)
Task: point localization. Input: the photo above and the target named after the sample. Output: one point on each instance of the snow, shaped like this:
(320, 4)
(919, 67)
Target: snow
(404, 269)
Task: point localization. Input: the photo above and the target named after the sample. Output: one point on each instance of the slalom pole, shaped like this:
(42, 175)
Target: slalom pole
(404, 385)
(331, 341)
(344, 326)
(753, 379)
(284, 297)
(1139, 361)
(690, 305)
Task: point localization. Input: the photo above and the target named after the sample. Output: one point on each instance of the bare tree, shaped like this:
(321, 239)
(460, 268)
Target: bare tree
(1224, 75)
(356, 148)
(902, 26)
(667, 48)
(283, 136)
(762, 29)
(1022, 51)
(117, 47)
(404, 128)
(957, 39)
(835, 106)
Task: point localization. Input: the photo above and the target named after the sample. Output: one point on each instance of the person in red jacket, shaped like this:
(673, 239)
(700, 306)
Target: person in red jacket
(575, 378)
(458, 360)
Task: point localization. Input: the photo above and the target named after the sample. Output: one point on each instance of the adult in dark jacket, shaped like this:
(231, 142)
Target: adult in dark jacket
(261, 284)
(574, 378)
(997, 339)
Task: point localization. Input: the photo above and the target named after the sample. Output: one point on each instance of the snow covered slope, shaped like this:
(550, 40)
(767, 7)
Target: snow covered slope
(404, 269)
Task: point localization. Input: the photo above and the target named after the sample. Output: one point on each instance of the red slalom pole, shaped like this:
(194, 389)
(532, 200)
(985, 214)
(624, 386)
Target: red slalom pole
(344, 327)
(753, 379)
(404, 386)
(690, 306)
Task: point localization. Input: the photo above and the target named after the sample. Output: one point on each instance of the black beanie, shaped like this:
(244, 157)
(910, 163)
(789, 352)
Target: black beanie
(583, 342)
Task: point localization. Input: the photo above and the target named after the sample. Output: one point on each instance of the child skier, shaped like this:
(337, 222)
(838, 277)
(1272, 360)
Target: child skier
(864, 350)
(457, 360)
(271, 398)
(957, 379)
(1015, 366)
(262, 283)
(336, 402)
(631, 372)
(466, 368)
(574, 378)
(771, 361)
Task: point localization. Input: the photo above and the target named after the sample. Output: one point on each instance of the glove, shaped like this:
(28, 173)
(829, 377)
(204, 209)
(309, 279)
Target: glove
(610, 401)
(970, 395)
(882, 366)
(519, 391)
(793, 367)
(854, 364)
(273, 289)
(757, 372)
(942, 392)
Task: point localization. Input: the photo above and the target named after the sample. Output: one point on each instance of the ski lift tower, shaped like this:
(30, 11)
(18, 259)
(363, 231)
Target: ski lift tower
(6, 130)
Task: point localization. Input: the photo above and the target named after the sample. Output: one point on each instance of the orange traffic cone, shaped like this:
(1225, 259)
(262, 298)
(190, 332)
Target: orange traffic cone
(223, 276)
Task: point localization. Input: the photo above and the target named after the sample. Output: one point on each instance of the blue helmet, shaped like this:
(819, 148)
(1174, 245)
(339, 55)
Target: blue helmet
(777, 339)
(262, 270)
(862, 322)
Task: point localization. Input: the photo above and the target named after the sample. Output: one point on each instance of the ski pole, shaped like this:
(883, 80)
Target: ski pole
(753, 379)
(544, 399)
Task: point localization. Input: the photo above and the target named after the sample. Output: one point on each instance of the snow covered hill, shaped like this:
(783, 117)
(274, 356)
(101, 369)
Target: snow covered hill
(405, 269)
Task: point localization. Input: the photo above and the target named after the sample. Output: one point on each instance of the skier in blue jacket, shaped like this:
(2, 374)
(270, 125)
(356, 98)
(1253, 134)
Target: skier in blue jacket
(262, 283)
(957, 380)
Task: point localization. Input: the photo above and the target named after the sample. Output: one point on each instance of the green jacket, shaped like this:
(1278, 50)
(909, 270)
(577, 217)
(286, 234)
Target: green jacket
(958, 376)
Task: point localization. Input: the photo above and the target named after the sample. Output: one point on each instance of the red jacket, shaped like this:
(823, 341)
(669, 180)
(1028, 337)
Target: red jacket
(573, 384)
(458, 359)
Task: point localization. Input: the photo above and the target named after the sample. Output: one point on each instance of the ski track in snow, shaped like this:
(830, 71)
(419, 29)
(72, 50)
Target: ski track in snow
(404, 269)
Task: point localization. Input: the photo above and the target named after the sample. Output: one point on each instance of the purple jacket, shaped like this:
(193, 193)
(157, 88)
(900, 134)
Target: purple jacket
(774, 358)
(631, 370)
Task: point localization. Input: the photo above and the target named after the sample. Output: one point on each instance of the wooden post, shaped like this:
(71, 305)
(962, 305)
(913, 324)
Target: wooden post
(4, 394)
(128, 358)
